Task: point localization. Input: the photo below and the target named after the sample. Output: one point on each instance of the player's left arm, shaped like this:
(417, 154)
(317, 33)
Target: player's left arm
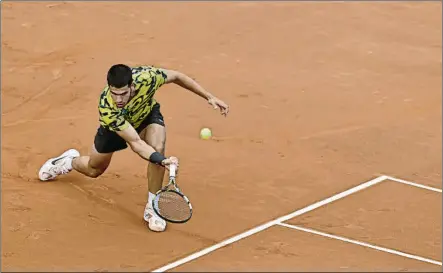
(187, 82)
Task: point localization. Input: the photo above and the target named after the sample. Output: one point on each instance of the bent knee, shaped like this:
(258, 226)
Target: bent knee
(98, 164)
(94, 173)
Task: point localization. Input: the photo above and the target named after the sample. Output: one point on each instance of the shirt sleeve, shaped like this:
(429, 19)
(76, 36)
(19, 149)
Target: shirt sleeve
(151, 76)
(159, 75)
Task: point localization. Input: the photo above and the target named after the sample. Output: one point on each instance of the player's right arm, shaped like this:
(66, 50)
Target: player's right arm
(114, 120)
(144, 150)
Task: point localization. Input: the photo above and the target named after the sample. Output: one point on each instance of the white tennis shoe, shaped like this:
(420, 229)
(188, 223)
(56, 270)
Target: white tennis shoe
(155, 222)
(58, 165)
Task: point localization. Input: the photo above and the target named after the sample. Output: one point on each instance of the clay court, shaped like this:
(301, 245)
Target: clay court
(330, 158)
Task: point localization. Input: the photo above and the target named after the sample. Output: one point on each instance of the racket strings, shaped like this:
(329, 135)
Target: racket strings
(173, 206)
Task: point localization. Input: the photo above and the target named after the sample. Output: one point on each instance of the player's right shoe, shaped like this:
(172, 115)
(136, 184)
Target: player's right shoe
(58, 165)
(155, 223)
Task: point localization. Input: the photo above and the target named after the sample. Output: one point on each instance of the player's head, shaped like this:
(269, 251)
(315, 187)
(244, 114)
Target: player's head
(120, 83)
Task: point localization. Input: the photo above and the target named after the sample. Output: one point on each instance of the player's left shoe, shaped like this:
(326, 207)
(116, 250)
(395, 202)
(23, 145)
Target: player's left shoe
(58, 165)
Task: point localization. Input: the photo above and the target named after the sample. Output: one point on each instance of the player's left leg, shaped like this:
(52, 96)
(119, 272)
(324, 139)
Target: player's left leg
(155, 135)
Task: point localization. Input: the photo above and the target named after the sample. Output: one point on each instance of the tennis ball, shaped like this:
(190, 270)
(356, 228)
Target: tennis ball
(205, 133)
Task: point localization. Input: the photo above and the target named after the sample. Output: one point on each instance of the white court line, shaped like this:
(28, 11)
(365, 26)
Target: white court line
(403, 254)
(413, 184)
(271, 223)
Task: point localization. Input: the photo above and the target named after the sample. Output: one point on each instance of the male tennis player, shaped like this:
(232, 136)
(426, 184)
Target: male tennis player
(129, 115)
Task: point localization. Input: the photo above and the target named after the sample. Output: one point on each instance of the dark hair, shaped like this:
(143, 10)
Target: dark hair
(119, 75)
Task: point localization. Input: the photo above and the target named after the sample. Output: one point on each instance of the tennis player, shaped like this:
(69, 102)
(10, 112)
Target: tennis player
(129, 115)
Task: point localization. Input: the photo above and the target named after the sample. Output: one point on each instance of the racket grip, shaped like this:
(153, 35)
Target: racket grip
(172, 170)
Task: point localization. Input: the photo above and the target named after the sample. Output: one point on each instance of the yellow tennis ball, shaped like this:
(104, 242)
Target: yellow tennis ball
(205, 133)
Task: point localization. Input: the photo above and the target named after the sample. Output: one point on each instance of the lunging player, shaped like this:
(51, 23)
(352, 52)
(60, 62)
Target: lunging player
(129, 115)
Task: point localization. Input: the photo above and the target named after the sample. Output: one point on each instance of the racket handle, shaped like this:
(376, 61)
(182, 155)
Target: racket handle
(172, 170)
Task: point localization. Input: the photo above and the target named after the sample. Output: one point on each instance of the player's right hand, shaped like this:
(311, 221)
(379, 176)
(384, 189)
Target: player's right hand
(170, 160)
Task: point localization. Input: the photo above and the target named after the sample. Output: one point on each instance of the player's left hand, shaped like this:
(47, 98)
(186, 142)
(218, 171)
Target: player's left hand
(219, 104)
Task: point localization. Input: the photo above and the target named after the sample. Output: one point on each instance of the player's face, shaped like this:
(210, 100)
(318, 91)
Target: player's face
(121, 96)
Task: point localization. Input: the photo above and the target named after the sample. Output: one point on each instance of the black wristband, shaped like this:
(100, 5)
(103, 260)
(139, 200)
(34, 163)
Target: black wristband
(157, 158)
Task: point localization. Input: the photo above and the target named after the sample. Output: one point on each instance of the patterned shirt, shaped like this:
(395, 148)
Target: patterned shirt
(147, 80)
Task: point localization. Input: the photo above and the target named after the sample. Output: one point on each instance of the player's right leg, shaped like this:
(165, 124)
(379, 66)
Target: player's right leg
(92, 165)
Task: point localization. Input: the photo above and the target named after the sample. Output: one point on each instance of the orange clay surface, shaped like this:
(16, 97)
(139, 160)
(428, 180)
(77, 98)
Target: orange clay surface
(323, 96)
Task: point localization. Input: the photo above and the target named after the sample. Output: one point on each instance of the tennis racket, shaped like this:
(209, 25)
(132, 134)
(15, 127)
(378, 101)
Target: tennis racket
(170, 203)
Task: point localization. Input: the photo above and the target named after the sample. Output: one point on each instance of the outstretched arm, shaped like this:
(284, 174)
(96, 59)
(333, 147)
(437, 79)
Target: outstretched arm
(188, 83)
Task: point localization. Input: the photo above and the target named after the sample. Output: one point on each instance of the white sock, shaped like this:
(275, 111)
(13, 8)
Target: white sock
(151, 197)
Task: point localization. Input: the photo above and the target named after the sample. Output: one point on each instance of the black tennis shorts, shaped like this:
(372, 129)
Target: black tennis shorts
(107, 141)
